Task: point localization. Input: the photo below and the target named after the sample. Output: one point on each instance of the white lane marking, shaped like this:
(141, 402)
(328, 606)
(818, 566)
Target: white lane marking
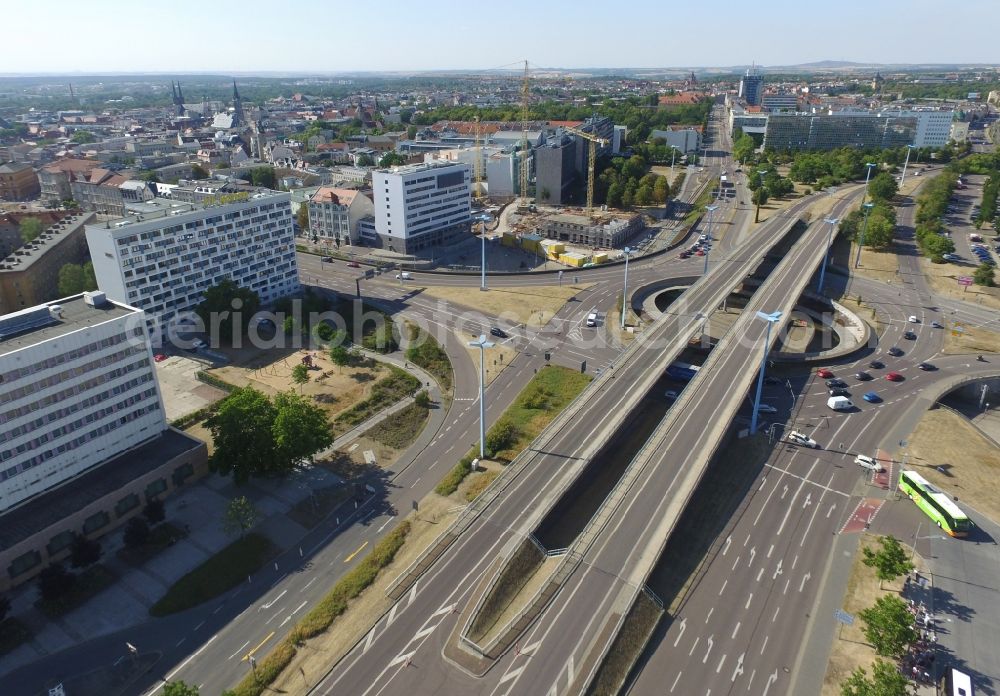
(424, 632)
(721, 661)
(694, 645)
(369, 639)
(736, 562)
(379, 531)
(770, 551)
(413, 593)
(764, 644)
(271, 603)
(776, 610)
(759, 573)
(402, 657)
(199, 625)
(511, 675)
(528, 649)
(786, 586)
(752, 675)
(570, 672)
(239, 650)
(182, 665)
(735, 630)
(392, 615)
(676, 679)
(749, 599)
(723, 588)
(444, 610)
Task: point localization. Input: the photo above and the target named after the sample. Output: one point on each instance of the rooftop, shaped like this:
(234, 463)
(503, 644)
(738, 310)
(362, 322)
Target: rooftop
(328, 194)
(35, 325)
(22, 258)
(158, 208)
(418, 167)
(49, 508)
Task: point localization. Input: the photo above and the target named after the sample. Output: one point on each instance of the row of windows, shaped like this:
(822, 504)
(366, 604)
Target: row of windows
(76, 442)
(73, 407)
(70, 355)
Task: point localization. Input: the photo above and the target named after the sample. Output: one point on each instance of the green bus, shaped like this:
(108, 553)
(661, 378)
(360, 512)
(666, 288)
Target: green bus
(935, 504)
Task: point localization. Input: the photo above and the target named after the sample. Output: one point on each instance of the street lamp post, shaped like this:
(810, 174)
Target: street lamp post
(902, 178)
(673, 154)
(482, 344)
(625, 251)
(826, 256)
(870, 166)
(482, 264)
(864, 228)
(771, 319)
(711, 210)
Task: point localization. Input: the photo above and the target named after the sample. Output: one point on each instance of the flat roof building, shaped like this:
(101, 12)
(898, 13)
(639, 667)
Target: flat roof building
(164, 257)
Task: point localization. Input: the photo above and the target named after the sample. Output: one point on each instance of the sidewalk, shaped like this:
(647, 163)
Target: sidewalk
(199, 509)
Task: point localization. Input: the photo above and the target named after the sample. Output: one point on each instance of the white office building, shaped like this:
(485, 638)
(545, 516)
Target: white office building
(77, 387)
(164, 257)
(421, 205)
(933, 126)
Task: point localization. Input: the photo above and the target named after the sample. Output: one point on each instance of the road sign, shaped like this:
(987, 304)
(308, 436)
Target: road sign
(964, 280)
(843, 617)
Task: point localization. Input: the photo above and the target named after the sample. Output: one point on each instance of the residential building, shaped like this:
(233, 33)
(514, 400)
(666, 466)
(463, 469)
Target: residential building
(580, 229)
(780, 102)
(84, 434)
(334, 214)
(752, 86)
(54, 179)
(421, 205)
(29, 274)
(97, 190)
(18, 182)
(602, 127)
(163, 258)
(555, 169)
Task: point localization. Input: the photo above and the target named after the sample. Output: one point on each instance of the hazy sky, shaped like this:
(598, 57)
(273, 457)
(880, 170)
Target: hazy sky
(309, 35)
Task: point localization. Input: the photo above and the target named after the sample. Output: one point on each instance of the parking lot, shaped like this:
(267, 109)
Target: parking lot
(182, 392)
(959, 221)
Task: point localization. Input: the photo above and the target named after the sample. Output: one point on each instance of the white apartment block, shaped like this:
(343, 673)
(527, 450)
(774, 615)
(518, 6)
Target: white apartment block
(421, 205)
(933, 126)
(77, 387)
(164, 257)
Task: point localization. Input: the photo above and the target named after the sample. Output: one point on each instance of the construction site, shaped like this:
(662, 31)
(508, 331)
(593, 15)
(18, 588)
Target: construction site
(571, 236)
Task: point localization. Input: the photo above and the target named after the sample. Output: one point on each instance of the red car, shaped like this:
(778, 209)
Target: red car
(159, 357)
(354, 264)
(699, 253)
(824, 373)
(894, 377)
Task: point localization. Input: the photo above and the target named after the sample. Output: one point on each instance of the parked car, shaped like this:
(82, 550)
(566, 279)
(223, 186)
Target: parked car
(872, 397)
(671, 394)
(936, 325)
(824, 373)
(832, 383)
(894, 377)
(913, 319)
(839, 391)
(326, 259)
(909, 335)
(862, 376)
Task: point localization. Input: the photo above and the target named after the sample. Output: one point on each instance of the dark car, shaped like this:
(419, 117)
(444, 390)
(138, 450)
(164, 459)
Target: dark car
(839, 391)
(835, 383)
(910, 336)
(895, 351)
(327, 259)
(876, 364)
(498, 332)
(936, 325)
(862, 376)
(926, 367)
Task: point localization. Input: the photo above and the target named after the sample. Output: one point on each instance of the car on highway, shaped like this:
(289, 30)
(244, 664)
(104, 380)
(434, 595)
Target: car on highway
(869, 463)
(670, 394)
(876, 364)
(926, 367)
(839, 391)
(498, 332)
(909, 335)
(894, 377)
(895, 351)
(802, 439)
(766, 408)
(937, 325)
(824, 373)
(872, 397)
(862, 376)
(833, 383)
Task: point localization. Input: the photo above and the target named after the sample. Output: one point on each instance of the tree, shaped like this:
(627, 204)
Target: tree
(241, 514)
(644, 195)
(889, 561)
(136, 533)
(889, 626)
(882, 187)
(411, 133)
(984, 275)
(391, 159)
(30, 229)
(241, 431)
(300, 430)
(89, 276)
(759, 198)
(151, 177)
(54, 582)
(223, 301)
(71, 279)
(179, 688)
(264, 176)
(82, 137)
(198, 172)
(422, 399)
(879, 232)
(501, 435)
(84, 552)
(302, 217)
(300, 374)
(366, 161)
(154, 511)
(340, 356)
(743, 148)
(886, 681)
(661, 190)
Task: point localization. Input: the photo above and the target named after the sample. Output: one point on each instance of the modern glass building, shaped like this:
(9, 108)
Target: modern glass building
(847, 129)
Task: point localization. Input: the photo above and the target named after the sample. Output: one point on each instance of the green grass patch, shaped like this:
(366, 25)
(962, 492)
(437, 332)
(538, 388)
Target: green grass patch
(387, 391)
(429, 355)
(453, 479)
(480, 483)
(699, 206)
(88, 583)
(401, 428)
(13, 633)
(214, 381)
(324, 614)
(223, 571)
(161, 536)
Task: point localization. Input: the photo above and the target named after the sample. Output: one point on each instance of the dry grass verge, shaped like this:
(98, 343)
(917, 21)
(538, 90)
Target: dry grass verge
(971, 339)
(532, 306)
(628, 645)
(943, 279)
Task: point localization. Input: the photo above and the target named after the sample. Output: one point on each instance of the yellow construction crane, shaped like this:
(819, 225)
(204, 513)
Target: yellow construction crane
(525, 98)
(592, 159)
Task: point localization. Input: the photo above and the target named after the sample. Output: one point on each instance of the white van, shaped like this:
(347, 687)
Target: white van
(405, 275)
(592, 319)
(839, 403)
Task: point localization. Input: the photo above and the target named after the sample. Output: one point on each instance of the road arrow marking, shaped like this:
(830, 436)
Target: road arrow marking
(753, 553)
(784, 492)
(683, 626)
(710, 644)
(739, 667)
(777, 571)
(729, 540)
(805, 578)
(808, 501)
(770, 680)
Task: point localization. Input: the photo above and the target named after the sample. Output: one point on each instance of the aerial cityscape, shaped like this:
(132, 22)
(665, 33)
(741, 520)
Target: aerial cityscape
(442, 358)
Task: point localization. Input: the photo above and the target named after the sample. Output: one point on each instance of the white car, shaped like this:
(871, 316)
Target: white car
(405, 275)
(766, 408)
(869, 463)
(913, 319)
(802, 439)
(671, 394)
(198, 343)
